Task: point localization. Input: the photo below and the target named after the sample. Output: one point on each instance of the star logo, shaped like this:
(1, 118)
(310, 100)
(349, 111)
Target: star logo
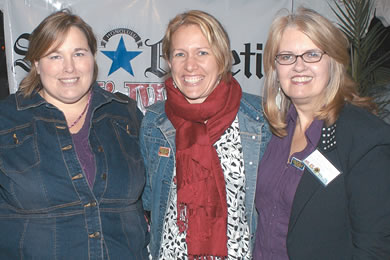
(121, 58)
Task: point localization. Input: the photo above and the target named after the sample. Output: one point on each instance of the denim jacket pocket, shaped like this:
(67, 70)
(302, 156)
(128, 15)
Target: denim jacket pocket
(18, 149)
(132, 182)
(127, 138)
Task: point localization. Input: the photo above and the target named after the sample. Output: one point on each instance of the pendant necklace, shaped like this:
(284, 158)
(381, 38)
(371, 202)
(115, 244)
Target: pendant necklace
(82, 113)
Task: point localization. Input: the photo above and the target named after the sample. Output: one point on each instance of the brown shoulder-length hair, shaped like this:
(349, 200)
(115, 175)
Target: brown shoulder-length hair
(340, 89)
(47, 37)
(211, 28)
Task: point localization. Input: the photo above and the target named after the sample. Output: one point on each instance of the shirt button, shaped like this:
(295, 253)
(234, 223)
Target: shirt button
(61, 127)
(253, 137)
(94, 235)
(104, 176)
(250, 163)
(257, 118)
(66, 148)
(100, 149)
(90, 204)
(77, 176)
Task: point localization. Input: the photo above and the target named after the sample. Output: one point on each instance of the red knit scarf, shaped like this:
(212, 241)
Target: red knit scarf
(201, 192)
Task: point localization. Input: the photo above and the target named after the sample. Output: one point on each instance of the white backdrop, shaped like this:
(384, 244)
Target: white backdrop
(129, 34)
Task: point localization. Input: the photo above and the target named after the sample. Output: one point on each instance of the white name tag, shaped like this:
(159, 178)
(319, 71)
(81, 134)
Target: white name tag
(321, 167)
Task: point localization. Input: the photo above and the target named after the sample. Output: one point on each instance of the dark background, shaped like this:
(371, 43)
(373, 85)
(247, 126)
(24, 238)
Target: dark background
(386, 44)
(4, 89)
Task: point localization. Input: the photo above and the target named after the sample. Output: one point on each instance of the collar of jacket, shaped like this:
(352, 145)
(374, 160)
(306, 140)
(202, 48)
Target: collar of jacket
(246, 107)
(328, 138)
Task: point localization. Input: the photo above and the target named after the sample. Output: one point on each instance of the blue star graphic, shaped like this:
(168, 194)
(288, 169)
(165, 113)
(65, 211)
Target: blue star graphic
(121, 58)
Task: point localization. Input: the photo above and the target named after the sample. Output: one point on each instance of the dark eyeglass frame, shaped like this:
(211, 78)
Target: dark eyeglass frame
(301, 55)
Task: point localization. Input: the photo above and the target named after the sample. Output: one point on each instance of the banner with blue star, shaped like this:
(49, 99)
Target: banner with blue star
(121, 58)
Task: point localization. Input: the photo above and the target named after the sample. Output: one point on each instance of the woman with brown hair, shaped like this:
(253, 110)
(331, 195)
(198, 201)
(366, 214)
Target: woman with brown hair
(71, 173)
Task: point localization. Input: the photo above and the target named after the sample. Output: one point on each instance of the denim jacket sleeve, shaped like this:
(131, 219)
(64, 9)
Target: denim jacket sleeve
(157, 141)
(255, 135)
(144, 151)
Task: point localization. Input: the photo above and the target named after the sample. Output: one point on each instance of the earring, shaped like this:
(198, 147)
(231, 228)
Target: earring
(278, 99)
(219, 80)
(174, 84)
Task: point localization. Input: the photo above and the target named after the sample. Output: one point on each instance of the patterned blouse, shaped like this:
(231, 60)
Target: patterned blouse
(229, 151)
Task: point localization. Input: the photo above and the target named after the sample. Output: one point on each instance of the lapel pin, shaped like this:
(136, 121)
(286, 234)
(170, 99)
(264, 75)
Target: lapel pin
(164, 151)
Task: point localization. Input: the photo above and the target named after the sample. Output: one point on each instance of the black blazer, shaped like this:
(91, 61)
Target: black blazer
(350, 218)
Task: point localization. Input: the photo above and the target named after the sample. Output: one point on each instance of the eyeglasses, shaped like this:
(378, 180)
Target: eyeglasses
(308, 57)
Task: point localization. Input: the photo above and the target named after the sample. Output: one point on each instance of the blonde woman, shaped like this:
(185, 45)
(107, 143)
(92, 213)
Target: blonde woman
(323, 185)
(201, 148)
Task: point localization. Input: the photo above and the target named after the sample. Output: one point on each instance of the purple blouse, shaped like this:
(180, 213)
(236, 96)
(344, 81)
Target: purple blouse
(83, 150)
(276, 185)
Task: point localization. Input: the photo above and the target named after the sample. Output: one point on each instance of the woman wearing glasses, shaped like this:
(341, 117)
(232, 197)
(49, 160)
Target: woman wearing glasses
(323, 189)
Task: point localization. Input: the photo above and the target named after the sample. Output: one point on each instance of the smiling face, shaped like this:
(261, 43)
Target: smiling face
(305, 83)
(66, 73)
(193, 66)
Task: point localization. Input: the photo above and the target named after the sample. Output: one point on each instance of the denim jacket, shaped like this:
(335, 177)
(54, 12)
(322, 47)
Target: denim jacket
(47, 209)
(157, 141)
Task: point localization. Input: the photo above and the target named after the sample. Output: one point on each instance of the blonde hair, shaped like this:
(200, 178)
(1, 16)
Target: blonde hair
(211, 28)
(340, 89)
(49, 35)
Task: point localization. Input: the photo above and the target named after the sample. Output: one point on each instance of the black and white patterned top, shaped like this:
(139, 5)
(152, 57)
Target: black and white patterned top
(229, 149)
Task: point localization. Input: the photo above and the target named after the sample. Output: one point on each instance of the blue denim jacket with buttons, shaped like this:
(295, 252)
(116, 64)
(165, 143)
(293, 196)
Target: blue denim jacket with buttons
(47, 208)
(157, 140)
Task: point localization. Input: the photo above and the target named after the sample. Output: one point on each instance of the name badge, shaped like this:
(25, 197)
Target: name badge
(321, 168)
(164, 151)
(297, 163)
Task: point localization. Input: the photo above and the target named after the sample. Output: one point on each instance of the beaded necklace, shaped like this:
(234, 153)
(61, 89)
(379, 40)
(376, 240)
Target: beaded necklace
(82, 113)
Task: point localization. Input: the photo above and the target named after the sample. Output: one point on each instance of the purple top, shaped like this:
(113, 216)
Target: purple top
(83, 150)
(277, 182)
